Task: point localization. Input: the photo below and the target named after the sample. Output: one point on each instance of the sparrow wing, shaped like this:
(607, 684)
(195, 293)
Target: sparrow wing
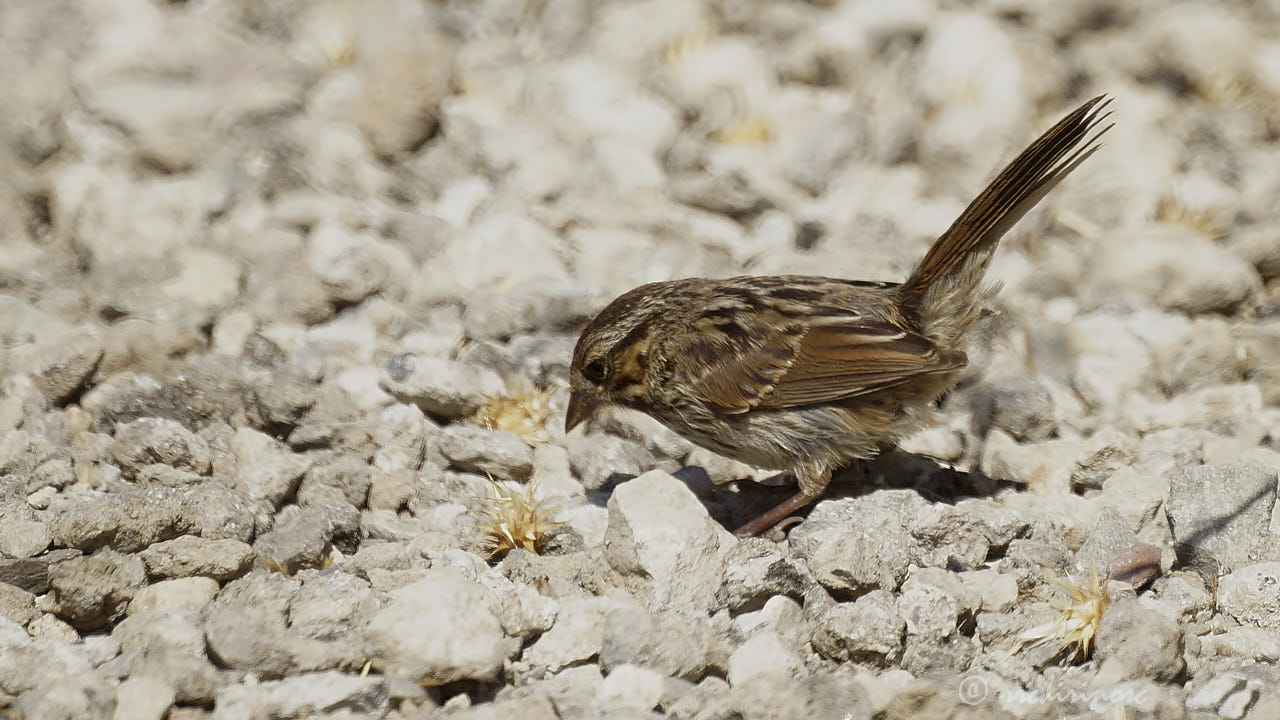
(818, 360)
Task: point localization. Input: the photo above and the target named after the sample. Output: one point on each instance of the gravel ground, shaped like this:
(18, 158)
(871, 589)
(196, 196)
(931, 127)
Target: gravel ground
(287, 295)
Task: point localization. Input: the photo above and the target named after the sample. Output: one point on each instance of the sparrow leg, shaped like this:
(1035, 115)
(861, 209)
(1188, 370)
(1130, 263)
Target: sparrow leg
(810, 490)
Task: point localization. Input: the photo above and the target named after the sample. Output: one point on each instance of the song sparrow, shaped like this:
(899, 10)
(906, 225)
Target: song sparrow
(808, 374)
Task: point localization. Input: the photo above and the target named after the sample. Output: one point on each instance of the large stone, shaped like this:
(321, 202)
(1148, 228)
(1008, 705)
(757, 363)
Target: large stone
(91, 591)
(1252, 594)
(304, 696)
(496, 453)
(1134, 642)
(437, 630)
(764, 655)
(855, 545)
(1221, 516)
(188, 555)
(149, 441)
(441, 387)
(1173, 267)
(248, 628)
(663, 543)
(867, 630)
(267, 469)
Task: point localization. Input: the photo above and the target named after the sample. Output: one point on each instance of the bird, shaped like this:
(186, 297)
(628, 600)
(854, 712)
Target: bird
(805, 374)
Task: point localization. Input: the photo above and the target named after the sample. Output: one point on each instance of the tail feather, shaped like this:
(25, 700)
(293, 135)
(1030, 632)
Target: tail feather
(1022, 184)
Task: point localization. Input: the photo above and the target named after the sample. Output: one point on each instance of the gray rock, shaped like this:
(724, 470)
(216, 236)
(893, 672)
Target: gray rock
(756, 570)
(855, 545)
(576, 636)
(267, 468)
(1252, 594)
(932, 602)
(1134, 642)
(1109, 538)
(630, 688)
(763, 656)
(17, 605)
(164, 475)
(300, 536)
(595, 458)
(1023, 408)
(350, 265)
(728, 194)
(32, 574)
(524, 611)
(66, 365)
(391, 489)
(1212, 694)
(347, 476)
(22, 537)
(438, 629)
(922, 655)
(188, 555)
(441, 387)
(131, 521)
(678, 644)
(708, 699)
(822, 694)
(1220, 516)
(194, 680)
(1173, 267)
(331, 605)
(246, 628)
(148, 441)
(400, 436)
(144, 698)
(27, 662)
(91, 591)
(497, 453)
(21, 452)
(193, 592)
(664, 545)
(1047, 464)
(179, 630)
(868, 630)
(86, 696)
(304, 696)
(278, 401)
(1105, 452)
(961, 535)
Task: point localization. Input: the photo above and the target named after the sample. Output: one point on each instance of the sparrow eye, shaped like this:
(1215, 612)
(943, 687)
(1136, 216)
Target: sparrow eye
(594, 371)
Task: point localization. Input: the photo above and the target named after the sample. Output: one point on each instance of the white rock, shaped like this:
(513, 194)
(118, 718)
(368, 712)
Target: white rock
(764, 655)
(630, 687)
(662, 540)
(143, 698)
(1252, 594)
(173, 594)
(1172, 267)
(437, 630)
(267, 469)
(440, 386)
(577, 635)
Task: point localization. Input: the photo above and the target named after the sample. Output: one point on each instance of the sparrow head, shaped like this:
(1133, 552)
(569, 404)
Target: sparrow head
(611, 360)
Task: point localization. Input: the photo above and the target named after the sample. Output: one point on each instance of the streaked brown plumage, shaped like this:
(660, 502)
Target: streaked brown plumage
(809, 374)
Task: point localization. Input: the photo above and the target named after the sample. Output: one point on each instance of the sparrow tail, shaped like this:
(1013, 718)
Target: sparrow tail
(954, 266)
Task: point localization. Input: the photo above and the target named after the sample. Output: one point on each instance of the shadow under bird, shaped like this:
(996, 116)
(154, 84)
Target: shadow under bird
(810, 374)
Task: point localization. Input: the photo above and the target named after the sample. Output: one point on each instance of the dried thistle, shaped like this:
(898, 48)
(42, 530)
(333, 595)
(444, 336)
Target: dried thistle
(523, 412)
(1080, 614)
(746, 130)
(517, 519)
(678, 51)
(1175, 211)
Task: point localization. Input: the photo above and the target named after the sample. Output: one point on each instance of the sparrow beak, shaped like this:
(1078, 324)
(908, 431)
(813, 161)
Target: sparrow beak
(581, 407)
